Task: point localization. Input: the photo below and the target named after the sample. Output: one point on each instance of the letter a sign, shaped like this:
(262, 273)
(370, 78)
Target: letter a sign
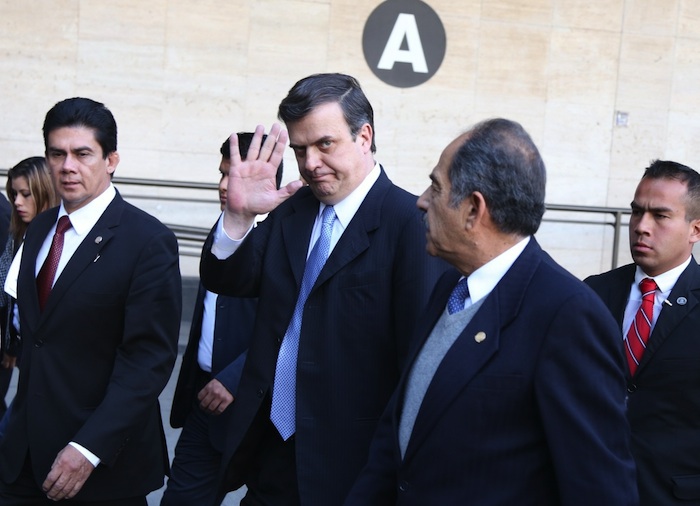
(404, 42)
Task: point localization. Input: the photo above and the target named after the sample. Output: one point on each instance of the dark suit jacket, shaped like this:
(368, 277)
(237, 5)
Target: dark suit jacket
(5, 374)
(96, 359)
(356, 327)
(531, 415)
(233, 330)
(5, 212)
(664, 396)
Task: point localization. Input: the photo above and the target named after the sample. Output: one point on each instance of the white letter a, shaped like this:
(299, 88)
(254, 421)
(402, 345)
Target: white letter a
(405, 27)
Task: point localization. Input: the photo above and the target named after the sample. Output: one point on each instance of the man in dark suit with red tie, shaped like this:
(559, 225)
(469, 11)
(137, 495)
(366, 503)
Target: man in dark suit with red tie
(515, 392)
(656, 301)
(99, 338)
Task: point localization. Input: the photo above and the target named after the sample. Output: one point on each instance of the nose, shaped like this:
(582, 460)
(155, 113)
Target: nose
(312, 160)
(223, 184)
(641, 227)
(69, 163)
(423, 200)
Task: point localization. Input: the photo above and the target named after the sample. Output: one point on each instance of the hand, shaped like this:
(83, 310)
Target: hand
(252, 189)
(214, 398)
(68, 474)
(8, 361)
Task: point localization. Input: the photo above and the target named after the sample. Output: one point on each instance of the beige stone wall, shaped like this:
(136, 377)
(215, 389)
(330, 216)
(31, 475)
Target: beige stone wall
(180, 75)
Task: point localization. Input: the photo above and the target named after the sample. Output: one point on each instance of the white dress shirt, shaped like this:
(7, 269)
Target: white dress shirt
(665, 282)
(482, 281)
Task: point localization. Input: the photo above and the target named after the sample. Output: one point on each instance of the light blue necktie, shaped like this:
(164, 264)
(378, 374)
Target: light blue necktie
(283, 409)
(460, 293)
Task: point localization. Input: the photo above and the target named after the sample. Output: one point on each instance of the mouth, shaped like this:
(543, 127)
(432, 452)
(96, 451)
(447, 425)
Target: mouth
(640, 247)
(315, 178)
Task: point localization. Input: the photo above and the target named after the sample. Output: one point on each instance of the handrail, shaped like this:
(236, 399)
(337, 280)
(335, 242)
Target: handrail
(193, 237)
(616, 212)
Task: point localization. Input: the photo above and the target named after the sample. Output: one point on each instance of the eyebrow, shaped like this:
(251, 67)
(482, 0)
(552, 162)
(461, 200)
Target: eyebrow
(320, 139)
(74, 150)
(637, 207)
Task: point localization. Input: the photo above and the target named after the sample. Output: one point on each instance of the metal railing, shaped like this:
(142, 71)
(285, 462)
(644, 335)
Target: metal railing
(615, 217)
(192, 237)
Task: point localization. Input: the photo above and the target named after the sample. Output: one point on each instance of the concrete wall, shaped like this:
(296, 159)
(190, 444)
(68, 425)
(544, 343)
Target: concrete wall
(181, 75)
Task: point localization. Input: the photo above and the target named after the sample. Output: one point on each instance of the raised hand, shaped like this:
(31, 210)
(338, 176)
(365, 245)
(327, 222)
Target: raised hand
(251, 182)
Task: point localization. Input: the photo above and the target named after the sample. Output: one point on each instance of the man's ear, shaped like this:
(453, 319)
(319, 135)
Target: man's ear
(694, 231)
(365, 137)
(112, 162)
(474, 209)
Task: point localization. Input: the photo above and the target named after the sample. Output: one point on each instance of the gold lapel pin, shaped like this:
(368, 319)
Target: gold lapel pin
(479, 337)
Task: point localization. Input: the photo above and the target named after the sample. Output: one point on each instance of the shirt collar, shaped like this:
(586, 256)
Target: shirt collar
(665, 281)
(82, 220)
(345, 209)
(482, 281)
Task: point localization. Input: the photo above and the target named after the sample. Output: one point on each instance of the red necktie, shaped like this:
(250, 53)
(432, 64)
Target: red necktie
(44, 280)
(638, 334)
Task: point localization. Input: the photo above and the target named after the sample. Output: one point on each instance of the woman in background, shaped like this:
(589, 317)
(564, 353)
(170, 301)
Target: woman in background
(30, 191)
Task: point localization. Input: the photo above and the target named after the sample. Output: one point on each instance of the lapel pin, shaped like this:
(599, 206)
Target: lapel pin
(479, 337)
(681, 301)
(98, 239)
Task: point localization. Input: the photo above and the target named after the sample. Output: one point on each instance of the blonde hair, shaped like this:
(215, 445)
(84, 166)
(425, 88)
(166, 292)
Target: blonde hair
(40, 186)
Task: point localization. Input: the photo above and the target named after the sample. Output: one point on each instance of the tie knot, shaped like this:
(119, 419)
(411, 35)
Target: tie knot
(458, 296)
(646, 286)
(63, 224)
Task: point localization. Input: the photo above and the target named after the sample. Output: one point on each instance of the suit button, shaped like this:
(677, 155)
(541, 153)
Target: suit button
(39, 343)
(631, 388)
(261, 392)
(403, 486)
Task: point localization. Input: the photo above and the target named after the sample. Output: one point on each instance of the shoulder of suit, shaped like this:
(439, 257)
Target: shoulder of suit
(619, 274)
(136, 218)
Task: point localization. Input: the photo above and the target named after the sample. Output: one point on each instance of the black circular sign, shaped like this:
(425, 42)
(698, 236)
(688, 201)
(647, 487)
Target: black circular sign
(404, 42)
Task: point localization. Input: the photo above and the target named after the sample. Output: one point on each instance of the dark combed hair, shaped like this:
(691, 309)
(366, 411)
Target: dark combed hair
(318, 89)
(500, 160)
(665, 169)
(244, 140)
(83, 112)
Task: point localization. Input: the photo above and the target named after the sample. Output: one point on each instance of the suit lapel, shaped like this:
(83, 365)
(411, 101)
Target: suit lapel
(297, 227)
(26, 281)
(356, 237)
(618, 294)
(684, 296)
(87, 253)
(296, 233)
(469, 354)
